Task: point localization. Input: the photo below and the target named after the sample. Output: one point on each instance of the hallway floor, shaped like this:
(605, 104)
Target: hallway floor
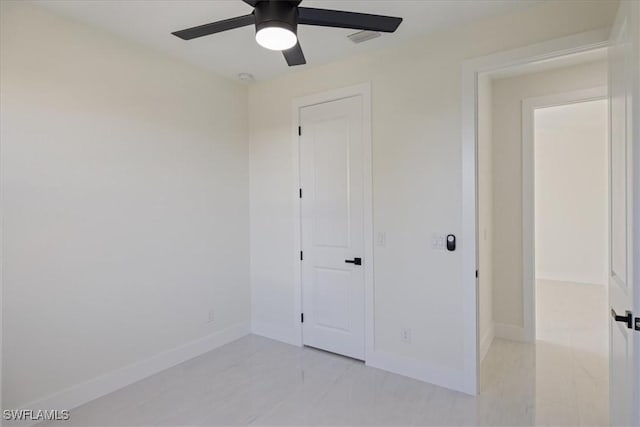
(572, 330)
(559, 381)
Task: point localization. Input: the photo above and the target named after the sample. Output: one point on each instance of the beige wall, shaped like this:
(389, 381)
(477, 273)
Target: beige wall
(416, 95)
(508, 94)
(571, 194)
(125, 203)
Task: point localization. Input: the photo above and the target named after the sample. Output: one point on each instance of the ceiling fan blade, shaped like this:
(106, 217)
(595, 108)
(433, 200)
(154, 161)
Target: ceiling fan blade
(254, 2)
(294, 56)
(215, 27)
(342, 19)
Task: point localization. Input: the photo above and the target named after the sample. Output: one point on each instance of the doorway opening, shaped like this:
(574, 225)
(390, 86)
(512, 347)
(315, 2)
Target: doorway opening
(570, 223)
(542, 234)
(571, 250)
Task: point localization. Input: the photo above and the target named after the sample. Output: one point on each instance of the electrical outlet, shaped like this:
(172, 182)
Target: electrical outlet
(381, 239)
(405, 335)
(212, 316)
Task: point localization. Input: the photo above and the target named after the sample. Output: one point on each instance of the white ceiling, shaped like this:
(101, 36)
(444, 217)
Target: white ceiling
(150, 23)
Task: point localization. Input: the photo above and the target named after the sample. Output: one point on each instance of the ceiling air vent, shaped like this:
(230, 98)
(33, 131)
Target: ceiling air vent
(363, 36)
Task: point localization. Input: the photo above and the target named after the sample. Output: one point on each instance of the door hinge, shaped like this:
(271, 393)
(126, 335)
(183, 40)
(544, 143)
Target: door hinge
(637, 323)
(301, 317)
(301, 256)
(299, 130)
(476, 273)
(301, 193)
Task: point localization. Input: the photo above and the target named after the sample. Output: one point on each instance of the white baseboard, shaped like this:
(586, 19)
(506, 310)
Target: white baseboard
(448, 378)
(510, 332)
(443, 377)
(274, 332)
(80, 394)
(486, 340)
(572, 278)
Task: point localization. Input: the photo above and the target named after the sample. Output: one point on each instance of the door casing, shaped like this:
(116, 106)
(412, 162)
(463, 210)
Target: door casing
(363, 90)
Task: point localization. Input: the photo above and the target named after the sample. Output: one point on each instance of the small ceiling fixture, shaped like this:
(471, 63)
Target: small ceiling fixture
(276, 23)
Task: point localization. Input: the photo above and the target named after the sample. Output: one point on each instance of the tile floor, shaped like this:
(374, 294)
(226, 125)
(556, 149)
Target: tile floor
(572, 363)
(559, 381)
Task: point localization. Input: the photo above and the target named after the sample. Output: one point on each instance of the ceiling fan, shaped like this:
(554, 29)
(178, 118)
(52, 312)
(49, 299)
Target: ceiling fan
(276, 23)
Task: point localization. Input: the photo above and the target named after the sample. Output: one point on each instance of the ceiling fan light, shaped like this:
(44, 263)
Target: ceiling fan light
(276, 38)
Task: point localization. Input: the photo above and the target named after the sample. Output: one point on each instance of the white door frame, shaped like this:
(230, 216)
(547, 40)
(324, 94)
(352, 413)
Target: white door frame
(471, 70)
(363, 90)
(529, 106)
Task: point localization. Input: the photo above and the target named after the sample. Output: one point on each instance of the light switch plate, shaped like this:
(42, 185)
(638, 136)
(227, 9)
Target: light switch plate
(438, 241)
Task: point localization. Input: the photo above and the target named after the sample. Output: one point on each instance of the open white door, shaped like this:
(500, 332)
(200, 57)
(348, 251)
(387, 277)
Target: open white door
(624, 206)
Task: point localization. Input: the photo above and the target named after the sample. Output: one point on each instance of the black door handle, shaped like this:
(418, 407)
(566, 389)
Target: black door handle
(356, 261)
(627, 318)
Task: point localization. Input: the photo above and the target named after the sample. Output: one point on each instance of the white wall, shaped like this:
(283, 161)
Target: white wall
(571, 196)
(416, 96)
(485, 215)
(125, 203)
(508, 94)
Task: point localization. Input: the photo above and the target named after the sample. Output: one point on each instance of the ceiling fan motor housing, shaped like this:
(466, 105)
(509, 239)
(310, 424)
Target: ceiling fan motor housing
(281, 14)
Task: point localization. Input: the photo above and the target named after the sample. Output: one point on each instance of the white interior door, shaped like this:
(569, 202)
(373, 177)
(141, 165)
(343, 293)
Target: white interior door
(331, 171)
(624, 288)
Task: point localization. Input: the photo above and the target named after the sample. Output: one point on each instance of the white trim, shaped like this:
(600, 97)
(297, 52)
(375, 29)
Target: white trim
(469, 241)
(572, 278)
(510, 332)
(80, 394)
(363, 90)
(634, 12)
(471, 68)
(529, 105)
(486, 340)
